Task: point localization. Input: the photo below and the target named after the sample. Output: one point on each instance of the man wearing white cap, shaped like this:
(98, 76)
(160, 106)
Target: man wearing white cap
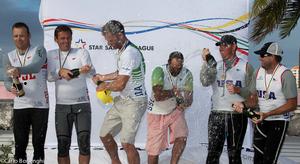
(274, 86)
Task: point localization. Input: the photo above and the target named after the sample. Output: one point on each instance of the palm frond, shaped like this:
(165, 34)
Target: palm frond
(258, 6)
(268, 19)
(290, 19)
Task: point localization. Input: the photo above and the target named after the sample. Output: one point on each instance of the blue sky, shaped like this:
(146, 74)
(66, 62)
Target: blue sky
(27, 11)
(290, 46)
(19, 10)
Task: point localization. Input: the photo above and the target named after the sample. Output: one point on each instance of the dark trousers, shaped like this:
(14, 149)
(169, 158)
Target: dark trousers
(22, 120)
(231, 127)
(65, 117)
(268, 139)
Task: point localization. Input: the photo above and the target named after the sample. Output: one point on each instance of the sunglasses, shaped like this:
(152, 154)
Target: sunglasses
(264, 55)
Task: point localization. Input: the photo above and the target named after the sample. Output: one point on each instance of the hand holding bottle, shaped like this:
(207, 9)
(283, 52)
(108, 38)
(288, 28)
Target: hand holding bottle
(17, 87)
(179, 97)
(241, 108)
(13, 72)
(65, 73)
(206, 56)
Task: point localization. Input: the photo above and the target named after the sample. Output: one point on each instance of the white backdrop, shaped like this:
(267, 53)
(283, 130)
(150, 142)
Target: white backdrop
(158, 27)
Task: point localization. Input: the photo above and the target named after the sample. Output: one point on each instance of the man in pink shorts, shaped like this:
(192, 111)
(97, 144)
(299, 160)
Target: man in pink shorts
(172, 93)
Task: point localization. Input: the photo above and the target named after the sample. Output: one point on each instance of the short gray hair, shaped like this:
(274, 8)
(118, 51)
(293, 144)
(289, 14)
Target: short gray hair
(113, 27)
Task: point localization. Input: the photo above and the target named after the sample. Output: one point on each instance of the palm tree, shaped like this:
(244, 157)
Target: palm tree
(269, 15)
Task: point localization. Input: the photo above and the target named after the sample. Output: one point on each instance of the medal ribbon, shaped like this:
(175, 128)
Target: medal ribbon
(269, 84)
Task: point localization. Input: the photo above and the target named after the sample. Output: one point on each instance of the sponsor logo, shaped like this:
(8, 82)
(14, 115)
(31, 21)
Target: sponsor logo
(80, 43)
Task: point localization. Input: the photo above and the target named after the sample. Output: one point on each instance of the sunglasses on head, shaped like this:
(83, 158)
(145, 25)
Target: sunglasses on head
(265, 55)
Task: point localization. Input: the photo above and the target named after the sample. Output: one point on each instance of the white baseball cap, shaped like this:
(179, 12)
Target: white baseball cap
(271, 48)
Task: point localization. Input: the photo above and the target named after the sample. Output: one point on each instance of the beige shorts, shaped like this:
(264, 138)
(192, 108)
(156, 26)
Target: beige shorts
(124, 118)
(158, 128)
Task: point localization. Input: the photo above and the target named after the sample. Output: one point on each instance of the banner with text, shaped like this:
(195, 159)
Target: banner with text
(157, 27)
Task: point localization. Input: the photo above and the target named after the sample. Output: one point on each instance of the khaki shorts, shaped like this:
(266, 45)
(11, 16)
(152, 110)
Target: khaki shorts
(158, 128)
(124, 118)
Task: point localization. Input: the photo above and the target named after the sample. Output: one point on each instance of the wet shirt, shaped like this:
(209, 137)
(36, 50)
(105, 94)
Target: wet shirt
(131, 63)
(161, 76)
(239, 74)
(274, 89)
(75, 90)
(34, 84)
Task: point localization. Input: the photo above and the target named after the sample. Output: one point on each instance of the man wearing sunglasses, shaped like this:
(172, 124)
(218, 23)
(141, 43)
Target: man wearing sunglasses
(274, 86)
(229, 79)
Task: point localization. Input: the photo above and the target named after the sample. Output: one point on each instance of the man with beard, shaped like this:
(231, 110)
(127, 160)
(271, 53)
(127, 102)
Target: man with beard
(172, 93)
(126, 113)
(274, 86)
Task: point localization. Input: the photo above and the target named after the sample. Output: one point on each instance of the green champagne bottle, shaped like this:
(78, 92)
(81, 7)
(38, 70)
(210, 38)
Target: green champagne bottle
(75, 73)
(250, 113)
(19, 87)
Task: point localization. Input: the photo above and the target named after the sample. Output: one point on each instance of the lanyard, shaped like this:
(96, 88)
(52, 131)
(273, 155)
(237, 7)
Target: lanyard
(174, 84)
(61, 66)
(269, 84)
(25, 55)
(121, 51)
(225, 69)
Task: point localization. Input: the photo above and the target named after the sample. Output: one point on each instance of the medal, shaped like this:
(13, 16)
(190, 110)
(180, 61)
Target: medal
(223, 76)
(266, 96)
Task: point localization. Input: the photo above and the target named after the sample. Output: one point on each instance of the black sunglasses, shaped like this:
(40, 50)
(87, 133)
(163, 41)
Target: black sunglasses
(264, 55)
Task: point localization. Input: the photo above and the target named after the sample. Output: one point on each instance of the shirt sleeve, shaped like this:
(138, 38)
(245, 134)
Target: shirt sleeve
(127, 64)
(38, 60)
(245, 91)
(208, 74)
(86, 60)
(289, 87)
(7, 80)
(189, 82)
(51, 67)
(252, 85)
(157, 77)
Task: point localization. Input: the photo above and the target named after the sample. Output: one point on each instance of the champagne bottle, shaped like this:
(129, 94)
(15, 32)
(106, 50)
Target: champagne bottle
(179, 100)
(211, 61)
(250, 113)
(179, 97)
(99, 82)
(75, 73)
(18, 86)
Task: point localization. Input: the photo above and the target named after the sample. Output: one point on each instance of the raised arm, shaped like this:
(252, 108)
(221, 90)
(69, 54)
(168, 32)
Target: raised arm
(38, 60)
(208, 72)
(6, 78)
